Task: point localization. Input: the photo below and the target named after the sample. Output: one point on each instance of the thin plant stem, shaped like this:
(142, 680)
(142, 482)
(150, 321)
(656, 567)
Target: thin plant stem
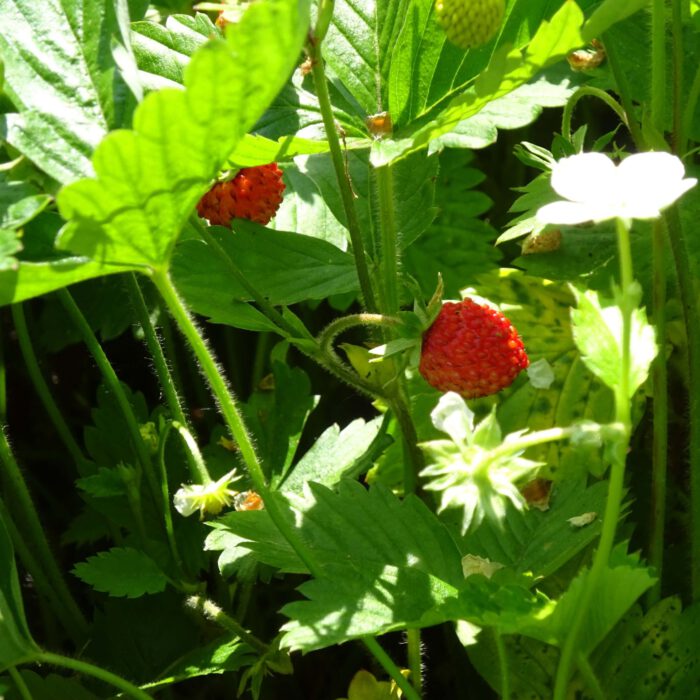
(200, 473)
(660, 418)
(165, 378)
(623, 90)
(346, 193)
(32, 530)
(33, 568)
(658, 64)
(503, 666)
(228, 406)
(213, 612)
(691, 315)
(21, 686)
(91, 670)
(389, 260)
(414, 659)
(569, 652)
(691, 103)
(114, 385)
(391, 668)
(42, 389)
(589, 678)
(678, 135)
(589, 92)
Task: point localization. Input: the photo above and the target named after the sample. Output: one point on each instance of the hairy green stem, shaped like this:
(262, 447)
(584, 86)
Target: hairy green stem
(165, 493)
(691, 103)
(33, 532)
(91, 670)
(624, 91)
(114, 385)
(346, 193)
(199, 471)
(589, 92)
(165, 378)
(42, 389)
(414, 659)
(570, 651)
(691, 314)
(213, 612)
(660, 428)
(503, 666)
(228, 406)
(3, 378)
(391, 668)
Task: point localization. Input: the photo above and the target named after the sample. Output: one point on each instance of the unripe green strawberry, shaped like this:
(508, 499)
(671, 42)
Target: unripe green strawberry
(471, 349)
(470, 23)
(254, 194)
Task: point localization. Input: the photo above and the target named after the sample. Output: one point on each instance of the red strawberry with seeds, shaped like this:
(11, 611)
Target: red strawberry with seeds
(471, 349)
(254, 194)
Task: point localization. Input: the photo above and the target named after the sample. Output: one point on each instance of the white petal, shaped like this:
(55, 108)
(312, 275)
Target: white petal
(184, 502)
(565, 213)
(586, 177)
(454, 417)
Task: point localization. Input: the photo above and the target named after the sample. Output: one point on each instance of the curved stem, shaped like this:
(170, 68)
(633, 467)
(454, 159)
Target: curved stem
(390, 667)
(503, 666)
(691, 104)
(625, 93)
(214, 613)
(346, 193)
(200, 473)
(114, 385)
(90, 670)
(165, 378)
(33, 531)
(228, 406)
(589, 677)
(42, 389)
(611, 516)
(589, 92)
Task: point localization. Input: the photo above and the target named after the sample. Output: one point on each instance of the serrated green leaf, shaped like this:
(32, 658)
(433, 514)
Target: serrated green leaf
(122, 572)
(507, 70)
(620, 584)
(67, 91)
(658, 653)
(276, 418)
(149, 179)
(16, 643)
(285, 267)
(597, 331)
(20, 202)
(106, 483)
(163, 52)
(337, 454)
(9, 244)
(223, 655)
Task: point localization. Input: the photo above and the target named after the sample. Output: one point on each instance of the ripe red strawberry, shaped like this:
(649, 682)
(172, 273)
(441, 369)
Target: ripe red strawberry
(471, 349)
(254, 194)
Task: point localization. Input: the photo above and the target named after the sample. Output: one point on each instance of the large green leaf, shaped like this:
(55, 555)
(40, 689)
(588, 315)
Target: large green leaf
(60, 74)
(285, 267)
(507, 70)
(16, 644)
(149, 179)
(597, 327)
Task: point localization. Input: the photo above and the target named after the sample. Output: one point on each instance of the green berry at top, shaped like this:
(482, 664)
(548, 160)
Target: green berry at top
(470, 23)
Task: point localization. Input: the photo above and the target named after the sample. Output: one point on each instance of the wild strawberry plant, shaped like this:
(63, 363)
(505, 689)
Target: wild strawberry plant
(299, 399)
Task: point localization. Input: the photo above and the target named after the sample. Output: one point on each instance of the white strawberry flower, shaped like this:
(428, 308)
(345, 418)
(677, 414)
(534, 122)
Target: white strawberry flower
(595, 189)
(208, 499)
